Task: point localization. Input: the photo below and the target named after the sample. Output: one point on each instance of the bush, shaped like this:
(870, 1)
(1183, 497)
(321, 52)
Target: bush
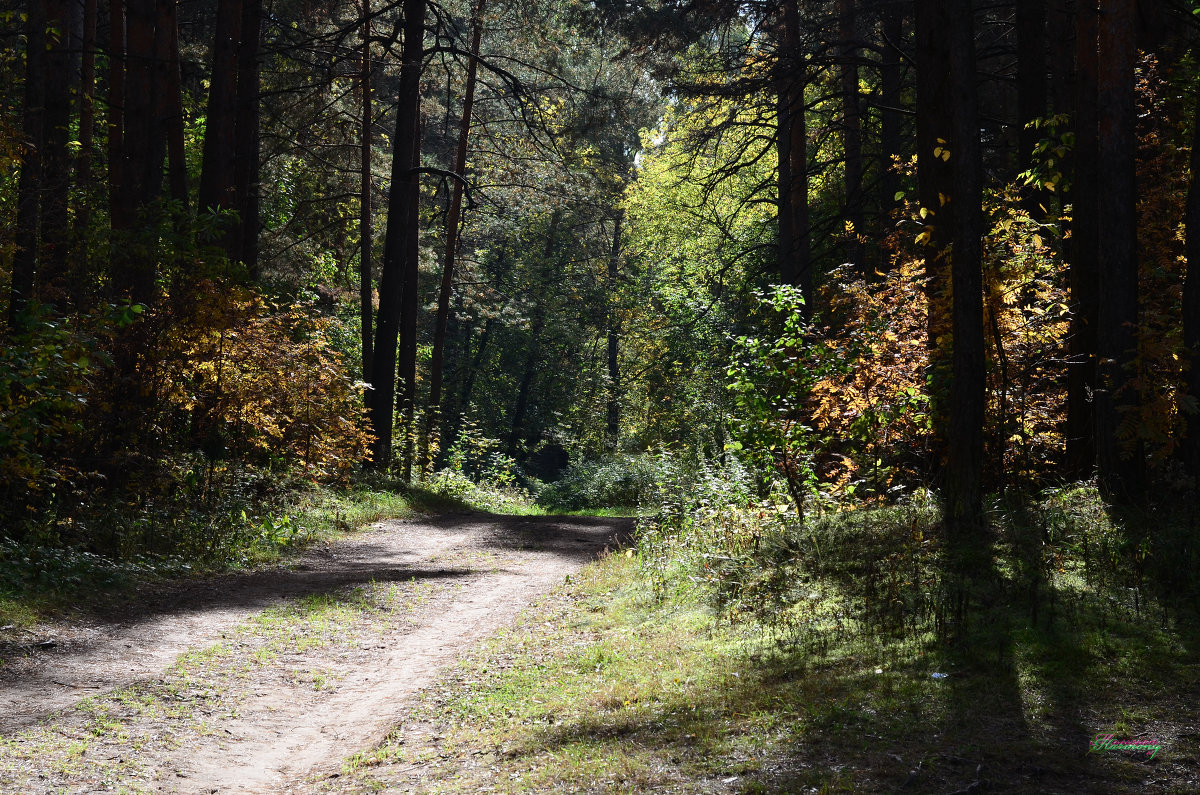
(620, 481)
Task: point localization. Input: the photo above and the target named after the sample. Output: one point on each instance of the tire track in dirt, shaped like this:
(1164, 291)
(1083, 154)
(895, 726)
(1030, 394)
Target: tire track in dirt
(280, 736)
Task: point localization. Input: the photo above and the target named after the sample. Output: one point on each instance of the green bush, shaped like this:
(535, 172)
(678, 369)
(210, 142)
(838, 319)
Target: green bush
(620, 481)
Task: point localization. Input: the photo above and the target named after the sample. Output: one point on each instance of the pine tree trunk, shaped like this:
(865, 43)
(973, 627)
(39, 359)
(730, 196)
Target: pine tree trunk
(612, 424)
(935, 185)
(968, 396)
(244, 245)
(52, 287)
(795, 266)
(1191, 301)
(1120, 464)
(394, 277)
(1031, 88)
(1085, 261)
(216, 190)
(366, 189)
(891, 124)
(453, 218)
(852, 133)
(29, 185)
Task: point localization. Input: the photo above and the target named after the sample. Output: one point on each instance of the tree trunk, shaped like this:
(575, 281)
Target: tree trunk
(173, 103)
(220, 131)
(55, 244)
(118, 213)
(891, 124)
(409, 310)
(968, 394)
(80, 279)
(1031, 88)
(1191, 301)
(1085, 262)
(612, 425)
(403, 195)
(29, 185)
(453, 217)
(852, 133)
(365, 222)
(1060, 35)
(935, 185)
(1116, 397)
(244, 245)
(142, 152)
(795, 266)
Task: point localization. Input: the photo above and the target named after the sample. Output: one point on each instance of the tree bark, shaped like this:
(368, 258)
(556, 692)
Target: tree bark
(795, 266)
(55, 243)
(935, 180)
(29, 184)
(217, 190)
(1031, 88)
(1191, 301)
(244, 244)
(453, 218)
(118, 213)
(1084, 276)
(612, 424)
(968, 395)
(891, 124)
(1120, 464)
(397, 271)
(366, 189)
(80, 279)
(171, 101)
(852, 133)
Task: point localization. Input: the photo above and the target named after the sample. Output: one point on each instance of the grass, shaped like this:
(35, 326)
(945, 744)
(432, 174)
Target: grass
(606, 687)
(40, 581)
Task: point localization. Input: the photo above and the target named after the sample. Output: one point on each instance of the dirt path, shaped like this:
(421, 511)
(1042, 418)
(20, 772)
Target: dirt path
(255, 683)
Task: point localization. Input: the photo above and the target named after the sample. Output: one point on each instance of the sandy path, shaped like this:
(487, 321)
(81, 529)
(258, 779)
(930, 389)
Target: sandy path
(485, 570)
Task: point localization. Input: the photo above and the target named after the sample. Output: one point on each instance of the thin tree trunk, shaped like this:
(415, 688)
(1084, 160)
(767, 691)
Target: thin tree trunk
(365, 292)
(890, 135)
(143, 150)
(612, 425)
(29, 185)
(968, 395)
(220, 132)
(403, 195)
(172, 102)
(1031, 88)
(245, 164)
(1085, 262)
(118, 213)
(1120, 465)
(80, 278)
(55, 243)
(795, 266)
(453, 217)
(1191, 300)
(408, 316)
(852, 133)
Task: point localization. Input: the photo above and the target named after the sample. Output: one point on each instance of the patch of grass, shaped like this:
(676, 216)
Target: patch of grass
(604, 688)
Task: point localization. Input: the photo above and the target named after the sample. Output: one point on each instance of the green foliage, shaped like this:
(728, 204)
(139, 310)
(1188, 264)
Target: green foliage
(618, 481)
(45, 372)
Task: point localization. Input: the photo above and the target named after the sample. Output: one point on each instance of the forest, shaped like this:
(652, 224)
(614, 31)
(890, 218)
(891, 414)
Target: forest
(880, 317)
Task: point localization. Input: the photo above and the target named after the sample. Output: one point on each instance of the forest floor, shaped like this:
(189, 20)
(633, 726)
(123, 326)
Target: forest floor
(267, 681)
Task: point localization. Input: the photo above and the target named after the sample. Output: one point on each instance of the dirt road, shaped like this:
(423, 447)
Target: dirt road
(264, 682)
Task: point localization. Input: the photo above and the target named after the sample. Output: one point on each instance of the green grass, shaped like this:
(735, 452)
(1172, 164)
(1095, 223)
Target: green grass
(604, 688)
